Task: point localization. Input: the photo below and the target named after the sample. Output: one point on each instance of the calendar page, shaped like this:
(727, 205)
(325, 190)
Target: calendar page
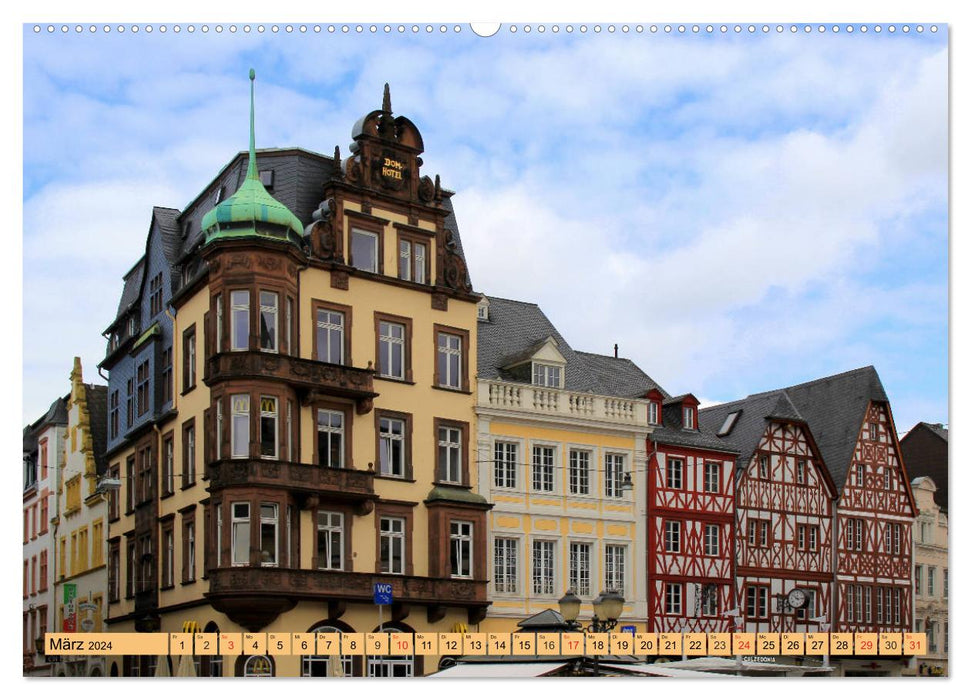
(372, 349)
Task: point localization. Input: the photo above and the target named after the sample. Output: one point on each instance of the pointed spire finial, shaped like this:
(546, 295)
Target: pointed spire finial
(251, 173)
(386, 102)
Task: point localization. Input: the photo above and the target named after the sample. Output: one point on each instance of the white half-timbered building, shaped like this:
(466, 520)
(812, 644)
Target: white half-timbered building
(784, 506)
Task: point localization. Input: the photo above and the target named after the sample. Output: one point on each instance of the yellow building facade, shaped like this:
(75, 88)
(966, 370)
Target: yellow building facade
(320, 434)
(561, 448)
(80, 526)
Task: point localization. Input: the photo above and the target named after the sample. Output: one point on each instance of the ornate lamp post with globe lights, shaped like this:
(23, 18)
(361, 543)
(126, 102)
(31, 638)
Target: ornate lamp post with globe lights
(607, 609)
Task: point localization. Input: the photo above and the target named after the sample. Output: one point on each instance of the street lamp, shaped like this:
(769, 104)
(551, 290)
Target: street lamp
(607, 609)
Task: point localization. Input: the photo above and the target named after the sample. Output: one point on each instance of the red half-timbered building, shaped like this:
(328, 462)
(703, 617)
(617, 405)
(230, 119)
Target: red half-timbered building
(690, 514)
(784, 507)
(852, 422)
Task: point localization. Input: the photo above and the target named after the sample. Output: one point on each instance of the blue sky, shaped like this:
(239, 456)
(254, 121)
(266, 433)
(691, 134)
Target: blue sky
(738, 212)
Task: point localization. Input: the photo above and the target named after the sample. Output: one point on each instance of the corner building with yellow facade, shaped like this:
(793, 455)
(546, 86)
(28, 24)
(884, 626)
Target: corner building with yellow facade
(562, 441)
(294, 411)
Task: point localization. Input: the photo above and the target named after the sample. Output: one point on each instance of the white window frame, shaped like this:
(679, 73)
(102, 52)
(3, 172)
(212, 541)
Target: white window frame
(450, 454)
(579, 471)
(240, 425)
(652, 412)
(580, 570)
(674, 473)
(547, 375)
(389, 439)
(614, 470)
(272, 520)
(672, 536)
(674, 599)
(757, 603)
(505, 564)
(388, 343)
(170, 466)
(333, 322)
(392, 532)
(712, 544)
(240, 524)
(239, 318)
(375, 239)
(801, 472)
(190, 453)
(334, 526)
(713, 471)
(219, 429)
(169, 568)
(270, 311)
(270, 416)
(615, 568)
(543, 567)
(450, 348)
(461, 542)
(331, 431)
(543, 468)
(505, 464)
(689, 417)
(190, 556)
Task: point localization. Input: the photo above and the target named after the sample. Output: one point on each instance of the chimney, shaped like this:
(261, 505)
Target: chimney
(615, 350)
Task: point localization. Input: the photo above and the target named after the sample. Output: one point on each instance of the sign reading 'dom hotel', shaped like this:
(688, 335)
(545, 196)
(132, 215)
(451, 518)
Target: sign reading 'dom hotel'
(392, 168)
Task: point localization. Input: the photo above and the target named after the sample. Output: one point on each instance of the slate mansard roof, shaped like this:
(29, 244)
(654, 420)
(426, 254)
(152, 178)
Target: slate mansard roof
(55, 415)
(298, 182)
(833, 407)
(515, 328)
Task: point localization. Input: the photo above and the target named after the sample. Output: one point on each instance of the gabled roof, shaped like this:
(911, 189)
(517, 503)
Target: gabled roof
(835, 408)
(935, 428)
(756, 411)
(56, 414)
(515, 328)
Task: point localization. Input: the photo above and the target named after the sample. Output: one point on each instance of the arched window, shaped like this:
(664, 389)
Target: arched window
(210, 666)
(319, 666)
(391, 666)
(258, 667)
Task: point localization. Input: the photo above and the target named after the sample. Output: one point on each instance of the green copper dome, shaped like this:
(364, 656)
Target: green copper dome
(251, 211)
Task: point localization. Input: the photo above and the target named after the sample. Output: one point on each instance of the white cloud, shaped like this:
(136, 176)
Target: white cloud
(655, 192)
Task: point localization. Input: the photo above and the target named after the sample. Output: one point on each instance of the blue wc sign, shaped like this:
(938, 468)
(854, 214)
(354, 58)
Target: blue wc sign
(382, 594)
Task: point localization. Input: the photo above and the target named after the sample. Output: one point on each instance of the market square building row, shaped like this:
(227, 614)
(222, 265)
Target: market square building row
(307, 396)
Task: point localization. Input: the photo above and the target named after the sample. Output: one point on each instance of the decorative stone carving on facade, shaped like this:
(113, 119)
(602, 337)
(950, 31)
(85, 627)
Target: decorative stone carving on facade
(339, 279)
(245, 581)
(239, 260)
(348, 485)
(319, 379)
(426, 189)
(453, 272)
(325, 232)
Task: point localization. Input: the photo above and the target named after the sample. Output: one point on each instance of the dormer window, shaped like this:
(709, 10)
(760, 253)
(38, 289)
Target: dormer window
(729, 423)
(653, 413)
(482, 311)
(546, 375)
(689, 418)
(132, 326)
